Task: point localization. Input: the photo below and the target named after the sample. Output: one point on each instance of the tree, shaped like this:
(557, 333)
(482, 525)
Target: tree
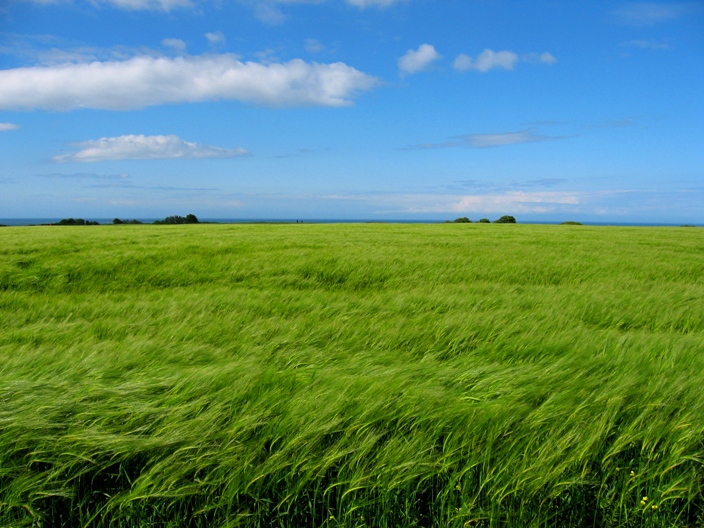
(176, 219)
(506, 219)
(484, 221)
(462, 220)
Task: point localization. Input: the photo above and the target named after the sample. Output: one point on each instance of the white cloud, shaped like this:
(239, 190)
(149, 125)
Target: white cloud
(415, 61)
(175, 44)
(148, 81)
(144, 147)
(216, 38)
(487, 60)
(6, 127)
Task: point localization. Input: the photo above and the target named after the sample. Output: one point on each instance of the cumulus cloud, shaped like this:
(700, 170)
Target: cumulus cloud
(144, 147)
(415, 61)
(487, 60)
(148, 81)
(6, 127)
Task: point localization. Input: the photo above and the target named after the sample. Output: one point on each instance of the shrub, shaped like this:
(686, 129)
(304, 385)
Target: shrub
(462, 220)
(484, 221)
(571, 222)
(506, 219)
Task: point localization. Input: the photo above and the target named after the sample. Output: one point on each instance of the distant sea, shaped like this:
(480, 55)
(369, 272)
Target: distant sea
(47, 221)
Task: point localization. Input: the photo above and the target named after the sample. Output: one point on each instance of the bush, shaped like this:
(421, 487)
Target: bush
(506, 219)
(571, 222)
(117, 221)
(484, 221)
(462, 220)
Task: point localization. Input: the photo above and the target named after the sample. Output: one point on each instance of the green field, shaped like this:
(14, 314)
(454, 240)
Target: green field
(351, 375)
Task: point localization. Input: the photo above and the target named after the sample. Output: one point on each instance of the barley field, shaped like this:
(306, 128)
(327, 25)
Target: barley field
(381, 375)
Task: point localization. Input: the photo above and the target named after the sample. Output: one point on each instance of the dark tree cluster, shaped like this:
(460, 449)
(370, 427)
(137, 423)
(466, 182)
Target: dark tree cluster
(118, 221)
(506, 219)
(188, 219)
(77, 221)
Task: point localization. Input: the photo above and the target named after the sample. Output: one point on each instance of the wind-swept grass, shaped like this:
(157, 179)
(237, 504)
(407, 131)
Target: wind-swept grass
(351, 375)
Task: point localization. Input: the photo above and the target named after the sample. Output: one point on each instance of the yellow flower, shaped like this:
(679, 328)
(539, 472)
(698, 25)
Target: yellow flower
(645, 499)
(633, 473)
(654, 506)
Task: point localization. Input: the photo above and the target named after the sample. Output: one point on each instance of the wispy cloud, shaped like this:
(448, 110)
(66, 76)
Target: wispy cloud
(175, 44)
(148, 81)
(144, 147)
(487, 60)
(85, 176)
(542, 182)
(506, 60)
(415, 61)
(649, 44)
(503, 202)
(480, 141)
(652, 13)
(313, 46)
(270, 11)
(151, 5)
(6, 127)
(615, 123)
(216, 38)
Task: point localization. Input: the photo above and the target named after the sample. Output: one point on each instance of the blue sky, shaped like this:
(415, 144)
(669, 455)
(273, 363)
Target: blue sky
(352, 109)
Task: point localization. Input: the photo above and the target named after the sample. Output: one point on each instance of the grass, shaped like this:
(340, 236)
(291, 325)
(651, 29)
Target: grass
(351, 375)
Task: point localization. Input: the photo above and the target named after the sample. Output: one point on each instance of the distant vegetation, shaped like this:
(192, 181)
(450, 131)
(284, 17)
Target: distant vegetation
(506, 219)
(571, 222)
(77, 221)
(188, 219)
(350, 376)
(118, 221)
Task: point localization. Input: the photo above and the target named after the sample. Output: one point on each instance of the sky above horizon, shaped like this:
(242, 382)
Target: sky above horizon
(352, 109)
